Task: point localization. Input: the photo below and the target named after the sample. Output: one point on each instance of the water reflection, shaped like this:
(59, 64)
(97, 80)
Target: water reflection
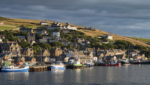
(58, 71)
(78, 75)
(90, 68)
(125, 75)
(110, 74)
(16, 76)
(58, 76)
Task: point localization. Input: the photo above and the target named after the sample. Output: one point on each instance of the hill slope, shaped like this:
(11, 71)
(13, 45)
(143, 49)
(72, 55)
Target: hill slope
(95, 33)
(9, 24)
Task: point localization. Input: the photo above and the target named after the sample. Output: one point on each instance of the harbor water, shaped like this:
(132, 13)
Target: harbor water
(124, 75)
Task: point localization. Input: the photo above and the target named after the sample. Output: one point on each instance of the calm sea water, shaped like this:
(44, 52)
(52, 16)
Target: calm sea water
(125, 75)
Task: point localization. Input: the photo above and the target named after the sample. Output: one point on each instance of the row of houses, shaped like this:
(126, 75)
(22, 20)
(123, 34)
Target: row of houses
(12, 51)
(65, 26)
(16, 50)
(56, 25)
(15, 53)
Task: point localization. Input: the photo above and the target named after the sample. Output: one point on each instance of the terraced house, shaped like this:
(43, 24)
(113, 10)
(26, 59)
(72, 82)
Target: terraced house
(10, 47)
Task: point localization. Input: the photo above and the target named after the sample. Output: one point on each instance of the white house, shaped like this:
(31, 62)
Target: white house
(56, 34)
(44, 23)
(61, 26)
(69, 27)
(109, 37)
(1, 40)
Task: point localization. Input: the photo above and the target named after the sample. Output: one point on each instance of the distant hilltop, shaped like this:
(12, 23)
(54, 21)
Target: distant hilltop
(14, 24)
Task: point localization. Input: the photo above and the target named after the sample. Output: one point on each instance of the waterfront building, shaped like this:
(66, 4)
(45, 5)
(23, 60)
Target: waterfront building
(27, 52)
(10, 47)
(44, 23)
(55, 52)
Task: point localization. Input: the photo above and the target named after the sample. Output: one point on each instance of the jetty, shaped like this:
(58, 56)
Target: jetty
(40, 68)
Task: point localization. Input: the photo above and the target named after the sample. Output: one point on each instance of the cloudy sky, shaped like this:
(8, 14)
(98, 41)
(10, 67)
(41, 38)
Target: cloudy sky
(123, 17)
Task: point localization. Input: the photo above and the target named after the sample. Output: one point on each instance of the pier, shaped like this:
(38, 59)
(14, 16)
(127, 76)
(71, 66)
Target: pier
(39, 68)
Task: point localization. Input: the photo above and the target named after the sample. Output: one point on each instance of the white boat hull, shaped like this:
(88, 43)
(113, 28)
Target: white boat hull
(25, 69)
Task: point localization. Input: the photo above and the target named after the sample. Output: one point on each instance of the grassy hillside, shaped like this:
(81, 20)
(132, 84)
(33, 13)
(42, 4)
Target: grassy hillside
(15, 23)
(141, 39)
(96, 33)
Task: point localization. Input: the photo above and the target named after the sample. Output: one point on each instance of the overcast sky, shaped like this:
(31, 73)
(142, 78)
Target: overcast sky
(123, 17)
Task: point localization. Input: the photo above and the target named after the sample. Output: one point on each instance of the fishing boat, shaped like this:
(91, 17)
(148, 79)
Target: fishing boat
(107, 63)
(111, 63)
(7, 67)
(15, 69)
(140, 62)
(58, 66)
(89, 63)
(75, 63)
(124, 61)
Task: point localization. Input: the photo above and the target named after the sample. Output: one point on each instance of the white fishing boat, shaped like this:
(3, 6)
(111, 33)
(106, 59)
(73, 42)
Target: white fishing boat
(12, 68)
(124, 62)
(89, 63)
(58, 66)
(15, 69)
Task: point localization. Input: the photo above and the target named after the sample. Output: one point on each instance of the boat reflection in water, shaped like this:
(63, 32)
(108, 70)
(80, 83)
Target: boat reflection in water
(58, 76)
(78, 75)
(16, 76)
(58, 71)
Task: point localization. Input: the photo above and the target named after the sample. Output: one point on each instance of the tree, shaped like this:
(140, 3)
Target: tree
(37, 48)
(122, 44)
(45, 46)
(10, 36)
(57, 44)
(38, 36)
(24, 44)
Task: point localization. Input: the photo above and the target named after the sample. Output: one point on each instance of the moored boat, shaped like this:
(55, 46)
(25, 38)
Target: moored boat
(75, 63)
(124, 61)
(108, 63)
(89, 63)
(15, 69)
(58, 66)
(12, 68)
(140, 62)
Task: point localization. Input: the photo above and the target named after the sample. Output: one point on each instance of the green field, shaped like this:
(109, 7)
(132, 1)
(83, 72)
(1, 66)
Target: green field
(10, 24)
(142, 39)
(7, 27)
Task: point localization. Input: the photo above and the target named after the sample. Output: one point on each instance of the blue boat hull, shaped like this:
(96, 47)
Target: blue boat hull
(89, 65)
(8, 70)
(57, 68)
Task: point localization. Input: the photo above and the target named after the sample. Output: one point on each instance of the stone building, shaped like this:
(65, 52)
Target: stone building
(55, 52)
(44, 53)
(10, 47)
(28, 52)
(31, 38)
(43, 59)
(29, 59)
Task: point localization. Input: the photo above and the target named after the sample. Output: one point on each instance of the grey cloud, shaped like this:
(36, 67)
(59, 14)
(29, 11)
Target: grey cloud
(124, 17)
